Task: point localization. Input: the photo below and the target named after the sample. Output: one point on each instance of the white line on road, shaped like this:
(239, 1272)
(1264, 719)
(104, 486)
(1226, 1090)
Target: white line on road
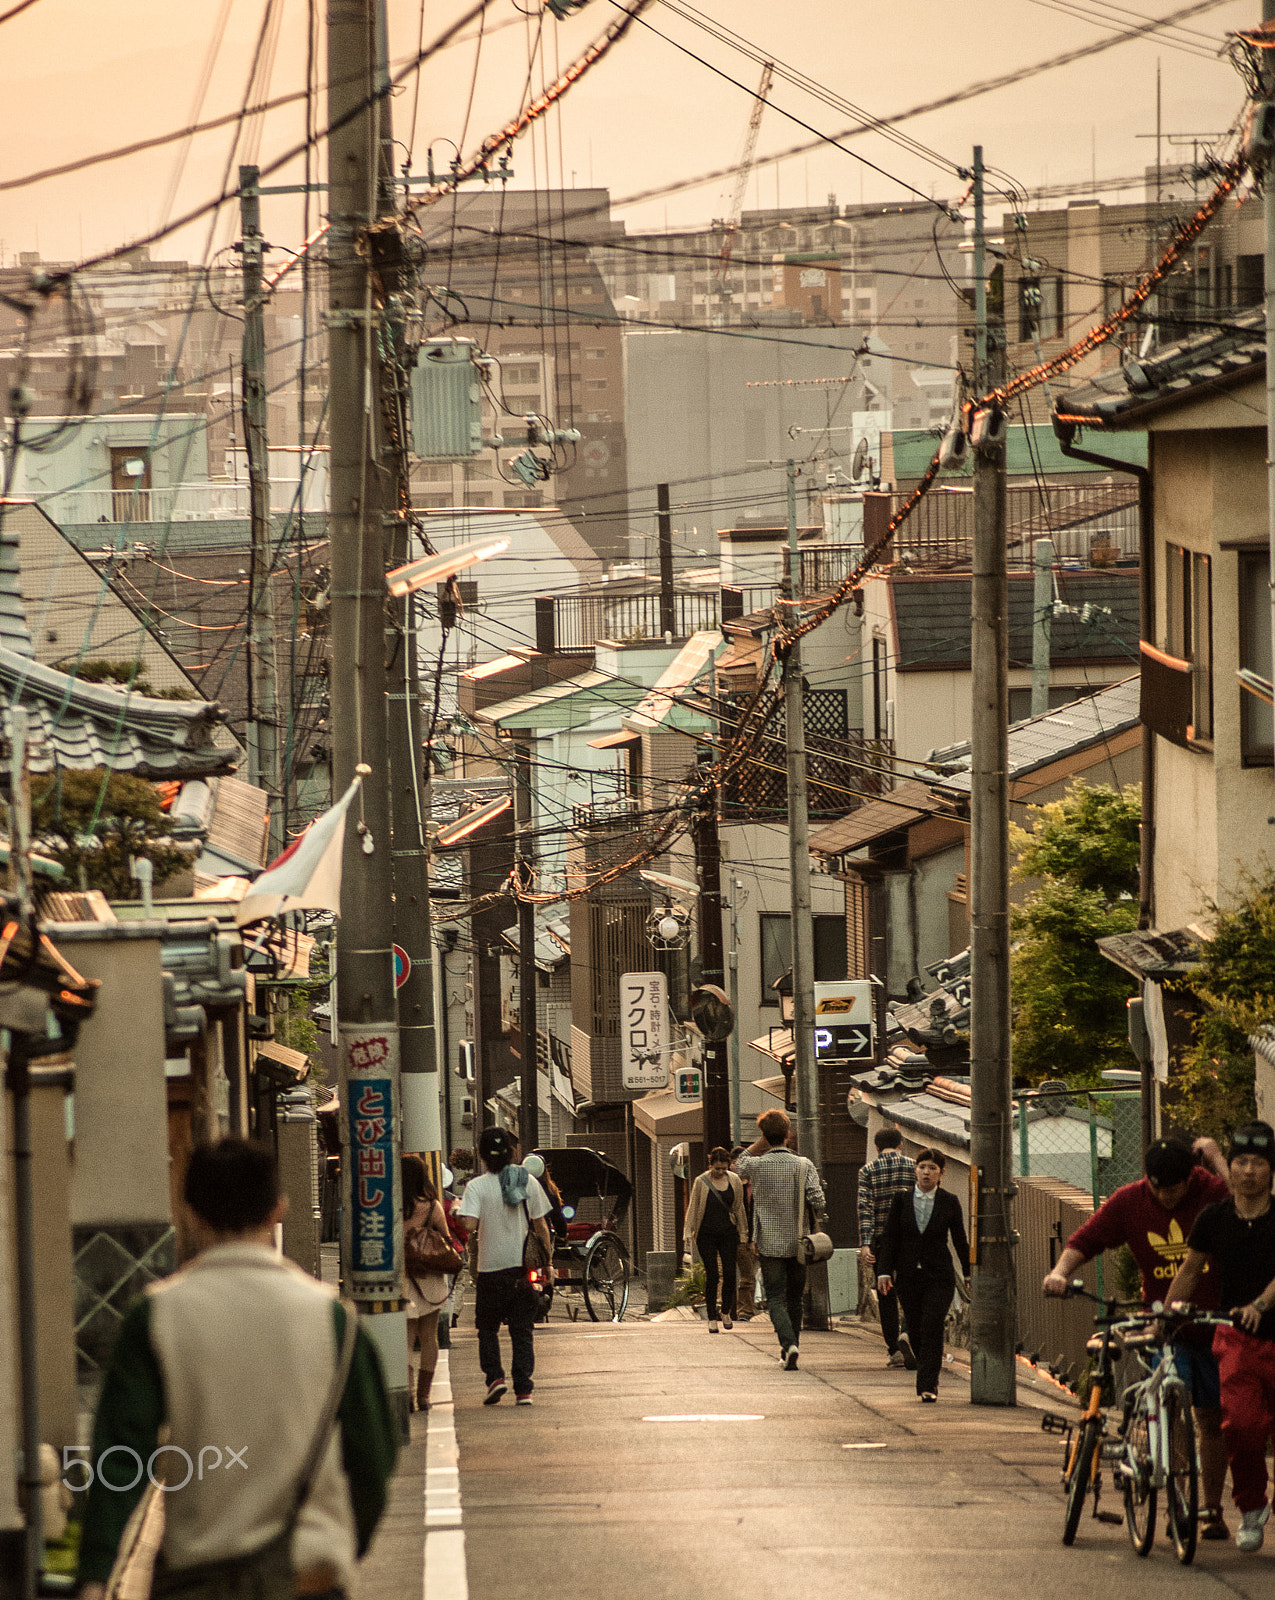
(445, 1575)
(711, 1416)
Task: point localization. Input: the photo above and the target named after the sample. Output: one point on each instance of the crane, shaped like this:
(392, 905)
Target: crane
(741, 181)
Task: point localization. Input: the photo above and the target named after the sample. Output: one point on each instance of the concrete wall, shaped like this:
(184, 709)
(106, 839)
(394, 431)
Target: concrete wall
(917, 916)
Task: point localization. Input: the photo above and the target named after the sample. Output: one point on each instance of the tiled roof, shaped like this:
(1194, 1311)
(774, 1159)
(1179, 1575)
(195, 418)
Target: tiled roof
(932, 619)
(1149, 953)
(1048, 738)
(1126, 396)
(80, 725)
(908, 803)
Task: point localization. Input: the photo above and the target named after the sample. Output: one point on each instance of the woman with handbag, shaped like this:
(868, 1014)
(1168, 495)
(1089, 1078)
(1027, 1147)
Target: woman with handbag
(428, 1256)
(717, 1224)
(914, 1256)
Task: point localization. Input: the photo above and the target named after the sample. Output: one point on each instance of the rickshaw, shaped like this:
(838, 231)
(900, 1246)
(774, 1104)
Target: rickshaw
(591, 1257)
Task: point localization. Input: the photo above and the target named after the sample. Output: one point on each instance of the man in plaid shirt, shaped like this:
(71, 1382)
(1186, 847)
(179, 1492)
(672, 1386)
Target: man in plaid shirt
(879, 1181)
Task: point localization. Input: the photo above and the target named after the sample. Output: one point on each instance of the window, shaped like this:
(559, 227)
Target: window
(1257, 732)
(595, 383)
(879, 715)
(592, 354)
(130, 485)
(1250, 285)
(776, 951)
(519, 375)
(1188, 628)
(1020, 700)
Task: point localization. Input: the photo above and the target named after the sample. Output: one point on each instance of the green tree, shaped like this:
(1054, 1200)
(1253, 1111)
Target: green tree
(1235, 985)
(129, 823)
(1068, 1000)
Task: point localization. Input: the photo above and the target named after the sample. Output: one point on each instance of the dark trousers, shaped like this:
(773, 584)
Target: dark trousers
(888, 1306)
(499, 1299)
(711, 1247)
(784, 1280)
(926, 1299)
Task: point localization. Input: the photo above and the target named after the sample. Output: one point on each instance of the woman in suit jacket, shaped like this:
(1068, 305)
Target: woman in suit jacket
(914, 1257)
(717, 1222)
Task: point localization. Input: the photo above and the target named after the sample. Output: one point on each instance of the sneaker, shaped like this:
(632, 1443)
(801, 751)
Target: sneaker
(727, 1323)
(790, 1358)
(909, 1360)
(1213, 1524)
(895, 1359)
(929, 1398)
(713, 1328)
(1252, 1529)
(496, 1392)
(522, 1399)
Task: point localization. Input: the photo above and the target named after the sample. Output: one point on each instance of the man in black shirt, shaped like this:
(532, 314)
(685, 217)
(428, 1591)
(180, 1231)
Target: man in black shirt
(1237, 1236)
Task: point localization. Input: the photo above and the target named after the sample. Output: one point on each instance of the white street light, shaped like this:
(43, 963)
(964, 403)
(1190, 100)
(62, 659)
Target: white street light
(418, 574)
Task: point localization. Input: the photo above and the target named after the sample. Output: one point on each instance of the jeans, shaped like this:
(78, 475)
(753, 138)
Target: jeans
(710, 1247)
(784, 1280)
(1247, 1368)
(926, 1300)
(499, 1298)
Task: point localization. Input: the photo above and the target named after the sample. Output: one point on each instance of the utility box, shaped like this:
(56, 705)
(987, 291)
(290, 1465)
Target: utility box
(447, 401)
(843, 1282)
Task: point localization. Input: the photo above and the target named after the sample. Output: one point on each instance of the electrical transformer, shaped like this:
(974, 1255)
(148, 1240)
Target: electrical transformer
(447, 407)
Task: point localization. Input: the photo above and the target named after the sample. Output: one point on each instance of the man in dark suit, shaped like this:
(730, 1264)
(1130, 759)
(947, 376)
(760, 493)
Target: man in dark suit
(914, 1256)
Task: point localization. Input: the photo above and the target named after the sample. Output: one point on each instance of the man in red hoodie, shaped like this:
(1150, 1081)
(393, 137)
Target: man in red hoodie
(1154, 1217)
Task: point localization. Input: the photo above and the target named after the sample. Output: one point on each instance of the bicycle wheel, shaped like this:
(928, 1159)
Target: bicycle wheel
(1082, 1463)
(606, 1280)
(1139, 1496)
(1182, 1491)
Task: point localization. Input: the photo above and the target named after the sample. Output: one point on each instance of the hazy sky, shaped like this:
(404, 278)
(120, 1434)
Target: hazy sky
(82, 76)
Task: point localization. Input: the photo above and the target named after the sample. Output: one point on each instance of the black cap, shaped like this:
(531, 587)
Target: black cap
(1254, 1139)
(1169, 1161)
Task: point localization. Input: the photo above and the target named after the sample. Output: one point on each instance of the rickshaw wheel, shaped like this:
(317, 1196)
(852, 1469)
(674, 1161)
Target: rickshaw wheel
(606, 1280)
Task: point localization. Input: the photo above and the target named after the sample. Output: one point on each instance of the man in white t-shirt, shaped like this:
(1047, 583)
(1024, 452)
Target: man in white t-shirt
(503, 1204)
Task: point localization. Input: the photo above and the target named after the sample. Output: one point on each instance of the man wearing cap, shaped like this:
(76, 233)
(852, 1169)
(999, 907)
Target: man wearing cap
(1154, 1217)
(1236, 1238)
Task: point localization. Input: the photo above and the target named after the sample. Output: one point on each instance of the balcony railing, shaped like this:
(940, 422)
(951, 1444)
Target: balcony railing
(1093, 524)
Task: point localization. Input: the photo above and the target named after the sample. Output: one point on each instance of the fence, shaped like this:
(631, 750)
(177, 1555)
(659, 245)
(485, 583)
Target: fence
(1094, 524)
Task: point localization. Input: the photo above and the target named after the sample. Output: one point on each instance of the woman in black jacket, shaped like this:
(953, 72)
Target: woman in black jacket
(914, 1257)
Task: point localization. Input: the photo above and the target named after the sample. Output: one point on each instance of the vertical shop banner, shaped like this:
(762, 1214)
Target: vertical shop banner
(370, 1058)
(645, 1045)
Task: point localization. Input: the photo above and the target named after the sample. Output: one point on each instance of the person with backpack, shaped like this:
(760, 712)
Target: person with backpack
(504, 1204)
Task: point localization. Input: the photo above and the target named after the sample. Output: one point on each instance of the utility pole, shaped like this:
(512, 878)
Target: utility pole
(367, 1021)
(1268, 206)
(991, 1115)
(1042, 624)
(665, 525)
(263, 706)
(528, 1027)
(708, 861)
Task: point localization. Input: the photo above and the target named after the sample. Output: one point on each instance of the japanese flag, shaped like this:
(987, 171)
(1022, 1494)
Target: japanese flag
(307, 876)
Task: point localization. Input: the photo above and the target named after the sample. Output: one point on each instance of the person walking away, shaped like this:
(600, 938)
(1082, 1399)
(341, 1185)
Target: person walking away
(1154, 1217)
(880, 1180)
(784, 1185)
(235, 1356)
(1236, 1239)
(915, 1257)
(504, 1203)
(745, 1260)
(717, 1225)
(426, 1293)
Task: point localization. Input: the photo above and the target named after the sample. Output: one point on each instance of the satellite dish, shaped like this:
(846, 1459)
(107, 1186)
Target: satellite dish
(860, 463)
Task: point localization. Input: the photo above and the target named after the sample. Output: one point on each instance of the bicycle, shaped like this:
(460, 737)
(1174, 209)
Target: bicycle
(1087, 1443)
(1159, 1442)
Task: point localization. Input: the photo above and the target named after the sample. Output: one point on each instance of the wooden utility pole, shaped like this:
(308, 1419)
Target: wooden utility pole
(367, 1025)
(528, 1027)
(708, 862)
(262, 728)
(991, 1109)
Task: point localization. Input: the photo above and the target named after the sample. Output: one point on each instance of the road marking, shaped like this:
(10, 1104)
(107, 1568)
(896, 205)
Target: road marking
(445, 1574)
(711, 1416)
(864, 1447)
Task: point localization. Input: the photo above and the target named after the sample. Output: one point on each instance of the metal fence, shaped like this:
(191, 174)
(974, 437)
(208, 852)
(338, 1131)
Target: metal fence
(1094, 524)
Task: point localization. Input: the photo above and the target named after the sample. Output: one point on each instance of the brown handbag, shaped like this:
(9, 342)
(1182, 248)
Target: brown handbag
(429, 1252)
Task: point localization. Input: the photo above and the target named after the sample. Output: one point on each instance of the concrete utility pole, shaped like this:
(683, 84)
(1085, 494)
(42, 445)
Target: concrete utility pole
(262, 729)
(1042, 624)
(1268, 204)
(801, 922)
(528, 1026)
(668, 627)
(991, 1115)
(367, 1028)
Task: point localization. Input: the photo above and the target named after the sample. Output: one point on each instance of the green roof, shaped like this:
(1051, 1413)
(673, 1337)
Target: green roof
(565, 704)
(1030, 450)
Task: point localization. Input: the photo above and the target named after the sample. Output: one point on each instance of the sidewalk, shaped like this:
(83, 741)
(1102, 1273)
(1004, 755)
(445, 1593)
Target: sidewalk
(827, 1482)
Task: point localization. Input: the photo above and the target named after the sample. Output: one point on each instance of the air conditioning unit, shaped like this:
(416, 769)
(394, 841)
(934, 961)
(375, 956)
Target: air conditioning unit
(467, 1112)
(465, 1061)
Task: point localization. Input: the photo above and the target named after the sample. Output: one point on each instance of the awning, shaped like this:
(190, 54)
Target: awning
(283, 1064)
(773, 1086)
(776, 1045)
(907, 804)
(615, 741)
(660, 1116)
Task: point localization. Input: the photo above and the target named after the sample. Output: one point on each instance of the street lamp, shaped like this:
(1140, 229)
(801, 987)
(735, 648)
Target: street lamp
(414, 575)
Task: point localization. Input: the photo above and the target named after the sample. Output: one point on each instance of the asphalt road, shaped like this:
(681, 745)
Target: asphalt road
(838, 1483)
